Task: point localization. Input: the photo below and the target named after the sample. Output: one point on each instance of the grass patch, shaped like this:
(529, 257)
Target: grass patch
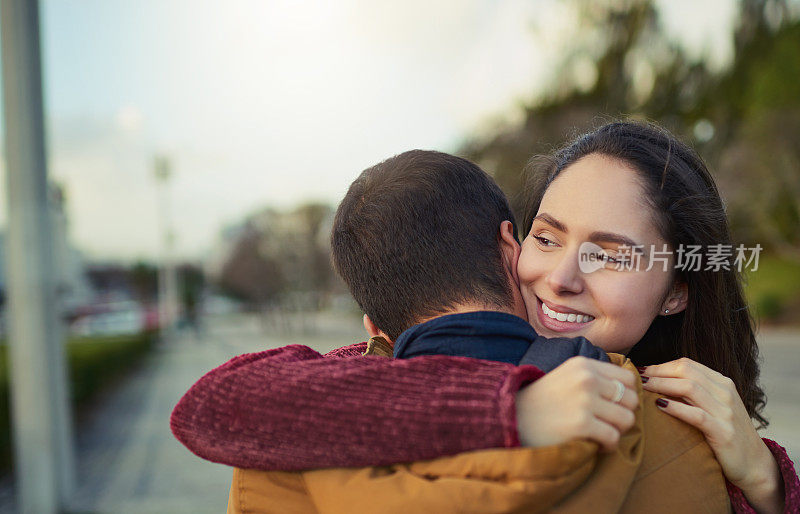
(93, 363)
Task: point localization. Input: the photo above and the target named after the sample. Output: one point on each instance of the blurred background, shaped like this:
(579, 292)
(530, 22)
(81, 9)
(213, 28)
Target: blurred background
(196, 151)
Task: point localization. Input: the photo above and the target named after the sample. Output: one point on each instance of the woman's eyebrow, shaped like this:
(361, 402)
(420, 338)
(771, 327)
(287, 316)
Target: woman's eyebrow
(551, 221)
(596, 236)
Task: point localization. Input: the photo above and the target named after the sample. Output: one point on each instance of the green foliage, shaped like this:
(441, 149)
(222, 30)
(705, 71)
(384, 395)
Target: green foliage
(775, 75)
(768, 307)
(774, 288)
(94, 363)
(5, 413)
(750, 110)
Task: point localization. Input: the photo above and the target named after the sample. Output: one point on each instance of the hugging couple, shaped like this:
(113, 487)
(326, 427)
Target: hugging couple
(499, 376)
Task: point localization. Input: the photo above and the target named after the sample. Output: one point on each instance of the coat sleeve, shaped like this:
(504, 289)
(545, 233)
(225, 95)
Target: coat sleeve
(791, 484)
(291, 409)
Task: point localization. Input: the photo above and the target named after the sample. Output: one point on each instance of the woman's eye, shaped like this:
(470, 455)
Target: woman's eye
(544, 241)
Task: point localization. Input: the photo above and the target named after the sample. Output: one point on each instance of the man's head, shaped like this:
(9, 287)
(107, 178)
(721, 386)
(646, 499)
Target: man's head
(420, 234)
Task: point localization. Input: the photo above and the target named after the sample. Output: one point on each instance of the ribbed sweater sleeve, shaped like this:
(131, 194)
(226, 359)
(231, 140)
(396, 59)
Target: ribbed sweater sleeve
(291, 408)
(791, 484)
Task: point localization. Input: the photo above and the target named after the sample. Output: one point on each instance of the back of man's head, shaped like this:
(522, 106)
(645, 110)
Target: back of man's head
(417, 235)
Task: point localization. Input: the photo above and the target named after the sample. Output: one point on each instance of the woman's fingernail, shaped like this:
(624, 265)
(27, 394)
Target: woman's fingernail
(641, 369)
(661, 402)
(644, 379)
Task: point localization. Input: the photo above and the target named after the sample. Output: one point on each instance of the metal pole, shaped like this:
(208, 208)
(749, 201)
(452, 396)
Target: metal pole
(44, 459)
(167, 276)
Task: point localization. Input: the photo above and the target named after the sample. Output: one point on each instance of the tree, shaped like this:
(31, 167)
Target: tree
(744, 120)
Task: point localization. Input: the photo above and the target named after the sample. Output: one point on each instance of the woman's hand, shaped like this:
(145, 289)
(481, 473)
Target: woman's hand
(714, 407)
(575, 401)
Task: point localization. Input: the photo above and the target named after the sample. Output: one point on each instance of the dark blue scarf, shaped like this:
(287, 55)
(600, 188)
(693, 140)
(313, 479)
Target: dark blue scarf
(491, 335)
(488, 335)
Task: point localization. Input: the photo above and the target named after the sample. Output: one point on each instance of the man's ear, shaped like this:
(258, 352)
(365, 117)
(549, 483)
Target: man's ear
(373, 330)
(510, 248)
(677, 299)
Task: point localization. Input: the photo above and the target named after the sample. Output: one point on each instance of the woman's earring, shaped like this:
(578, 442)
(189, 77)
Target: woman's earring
(666, 311)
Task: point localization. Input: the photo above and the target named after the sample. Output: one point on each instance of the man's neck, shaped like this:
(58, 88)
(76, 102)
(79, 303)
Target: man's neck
(461, 308)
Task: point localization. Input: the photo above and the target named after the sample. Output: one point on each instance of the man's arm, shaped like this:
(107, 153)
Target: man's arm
(291, 409)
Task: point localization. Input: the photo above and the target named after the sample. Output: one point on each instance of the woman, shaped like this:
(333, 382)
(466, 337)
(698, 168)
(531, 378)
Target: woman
(695, 322)
(633, 185)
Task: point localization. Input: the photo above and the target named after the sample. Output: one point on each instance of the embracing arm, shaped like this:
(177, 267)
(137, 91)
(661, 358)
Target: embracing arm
(291, 409)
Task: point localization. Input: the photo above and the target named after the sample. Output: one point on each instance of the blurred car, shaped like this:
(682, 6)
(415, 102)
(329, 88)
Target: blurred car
(115, 318)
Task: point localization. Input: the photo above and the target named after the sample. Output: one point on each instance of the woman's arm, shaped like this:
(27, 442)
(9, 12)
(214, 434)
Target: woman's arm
(760, 469)
(791, 496)
(291, 409)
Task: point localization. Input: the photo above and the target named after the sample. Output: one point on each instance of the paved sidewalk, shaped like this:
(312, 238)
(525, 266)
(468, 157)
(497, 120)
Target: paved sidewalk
(780, 378)
(129, 460)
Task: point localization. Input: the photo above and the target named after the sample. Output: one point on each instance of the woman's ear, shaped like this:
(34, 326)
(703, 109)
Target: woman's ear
(510, 248)
(677, 299)
(373, 330)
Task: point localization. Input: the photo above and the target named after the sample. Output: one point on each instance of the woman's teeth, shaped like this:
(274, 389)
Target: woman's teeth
(561, 316)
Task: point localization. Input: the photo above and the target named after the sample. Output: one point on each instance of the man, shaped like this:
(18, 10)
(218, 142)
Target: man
(427, 246)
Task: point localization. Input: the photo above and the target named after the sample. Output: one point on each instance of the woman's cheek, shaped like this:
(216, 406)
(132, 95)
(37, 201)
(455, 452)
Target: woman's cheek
(624, 307)
(528, 296)
(528, 269)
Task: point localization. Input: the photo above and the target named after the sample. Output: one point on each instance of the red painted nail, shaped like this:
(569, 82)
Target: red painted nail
(661, 402)
(641, 369)
(644, 379)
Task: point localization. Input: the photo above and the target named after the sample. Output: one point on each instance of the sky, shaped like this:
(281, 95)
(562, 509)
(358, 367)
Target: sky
(273, 103)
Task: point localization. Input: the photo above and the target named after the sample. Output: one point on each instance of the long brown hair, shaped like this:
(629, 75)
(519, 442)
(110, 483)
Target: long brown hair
(716, 328)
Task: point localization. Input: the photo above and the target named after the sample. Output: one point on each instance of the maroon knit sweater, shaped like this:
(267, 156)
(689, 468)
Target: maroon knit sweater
(292, 408)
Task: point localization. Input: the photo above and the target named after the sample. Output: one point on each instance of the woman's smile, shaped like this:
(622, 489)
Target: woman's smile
(561, 319)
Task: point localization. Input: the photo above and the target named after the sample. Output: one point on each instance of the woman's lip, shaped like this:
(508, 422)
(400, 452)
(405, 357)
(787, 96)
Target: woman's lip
(555, 325)
(561, 308)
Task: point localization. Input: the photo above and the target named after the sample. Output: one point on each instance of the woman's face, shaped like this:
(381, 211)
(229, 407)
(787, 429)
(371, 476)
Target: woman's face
(596, 200)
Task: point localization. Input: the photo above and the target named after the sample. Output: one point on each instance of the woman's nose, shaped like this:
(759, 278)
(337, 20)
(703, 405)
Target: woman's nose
(566, 277)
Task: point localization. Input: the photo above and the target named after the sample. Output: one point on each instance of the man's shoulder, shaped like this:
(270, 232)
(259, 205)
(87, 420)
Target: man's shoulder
(668, 438)
(676, 457)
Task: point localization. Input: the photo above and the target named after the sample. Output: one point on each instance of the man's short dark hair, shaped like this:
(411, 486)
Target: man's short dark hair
(417, 235)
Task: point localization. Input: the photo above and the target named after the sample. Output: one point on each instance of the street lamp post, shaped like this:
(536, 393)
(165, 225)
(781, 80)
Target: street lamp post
(41, 420)
(167, 278)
